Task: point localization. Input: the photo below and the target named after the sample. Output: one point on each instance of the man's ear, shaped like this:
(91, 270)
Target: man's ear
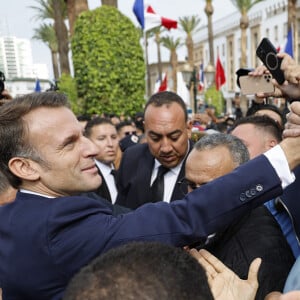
(23, 168)
(272, 143)
(189, 124)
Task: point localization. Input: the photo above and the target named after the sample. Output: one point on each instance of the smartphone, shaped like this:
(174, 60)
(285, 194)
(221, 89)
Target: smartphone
(267, 53)
(251, 85)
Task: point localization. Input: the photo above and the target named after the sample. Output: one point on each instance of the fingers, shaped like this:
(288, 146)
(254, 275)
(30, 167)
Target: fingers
(292, 126)
(253, 272)
(210, 259)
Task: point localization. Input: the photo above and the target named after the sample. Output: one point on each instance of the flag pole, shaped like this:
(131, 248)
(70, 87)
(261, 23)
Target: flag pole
(147, 78)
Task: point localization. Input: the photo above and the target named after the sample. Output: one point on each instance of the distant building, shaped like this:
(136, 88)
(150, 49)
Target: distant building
(16, 63)
(22, 86)
(266, 19)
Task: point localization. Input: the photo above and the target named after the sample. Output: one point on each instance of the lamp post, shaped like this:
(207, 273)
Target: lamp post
(193, 81)
(190, 77)
(209, 73)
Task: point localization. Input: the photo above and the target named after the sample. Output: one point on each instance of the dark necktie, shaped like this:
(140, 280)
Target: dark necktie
(157, 187)
(113, 172)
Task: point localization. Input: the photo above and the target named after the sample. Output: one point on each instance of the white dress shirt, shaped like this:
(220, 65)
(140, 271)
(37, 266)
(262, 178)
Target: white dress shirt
(109, 179)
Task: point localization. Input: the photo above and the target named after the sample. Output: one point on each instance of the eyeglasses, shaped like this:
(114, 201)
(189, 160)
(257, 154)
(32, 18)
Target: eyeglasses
(187, 186)
(130, 132)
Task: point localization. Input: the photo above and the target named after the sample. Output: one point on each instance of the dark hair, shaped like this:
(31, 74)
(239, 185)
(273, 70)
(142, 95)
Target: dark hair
(141, 270)
(14, 130)
(236, 147)
(123, 124)
(256, 107)
(166, 98)
(84, 118)
(94, 122)
(264, 123)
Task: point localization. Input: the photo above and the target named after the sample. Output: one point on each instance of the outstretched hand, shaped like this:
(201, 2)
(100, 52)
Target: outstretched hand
(224, 283)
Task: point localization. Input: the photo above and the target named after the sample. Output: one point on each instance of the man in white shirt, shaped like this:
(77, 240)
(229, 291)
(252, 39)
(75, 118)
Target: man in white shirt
(104, 135)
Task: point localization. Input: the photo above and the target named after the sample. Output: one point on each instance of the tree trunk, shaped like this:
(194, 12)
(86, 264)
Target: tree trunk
(244, 23)
(209, 10)
(75, 8)
(62, 37)
(159, 64)
(55, 64)
(190, 48)
(110, 3)
(174, 62)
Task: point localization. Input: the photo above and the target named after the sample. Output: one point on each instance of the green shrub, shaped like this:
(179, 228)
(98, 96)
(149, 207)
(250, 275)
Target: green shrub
(108, 62)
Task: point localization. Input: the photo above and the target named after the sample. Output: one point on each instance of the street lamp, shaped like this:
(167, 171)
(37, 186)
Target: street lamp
(209, 73)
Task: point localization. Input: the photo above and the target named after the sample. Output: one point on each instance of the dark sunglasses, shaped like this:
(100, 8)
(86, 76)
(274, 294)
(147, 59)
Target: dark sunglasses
(130, 132)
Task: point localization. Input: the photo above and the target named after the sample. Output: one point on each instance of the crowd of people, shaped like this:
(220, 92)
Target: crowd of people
(105, 207)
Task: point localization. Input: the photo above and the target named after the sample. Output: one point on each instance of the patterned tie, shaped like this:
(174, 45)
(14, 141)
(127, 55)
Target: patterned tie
(157, 187)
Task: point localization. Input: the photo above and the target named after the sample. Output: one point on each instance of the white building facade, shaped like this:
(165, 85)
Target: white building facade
(266, 19)
(16, 63)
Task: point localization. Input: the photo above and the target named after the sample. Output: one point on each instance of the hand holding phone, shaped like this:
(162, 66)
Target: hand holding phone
(268, 55)
(251, 85)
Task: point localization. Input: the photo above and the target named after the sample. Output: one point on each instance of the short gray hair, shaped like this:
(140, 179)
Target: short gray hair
(236, 147)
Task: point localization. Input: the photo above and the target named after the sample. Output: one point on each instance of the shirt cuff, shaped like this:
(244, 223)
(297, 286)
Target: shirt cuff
(279, 162)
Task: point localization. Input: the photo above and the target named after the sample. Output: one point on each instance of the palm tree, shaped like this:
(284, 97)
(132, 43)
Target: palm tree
(56, 11)
(155, 32)
(46, 34)
(244, 6)
(110, 2)
(60, 12)
(209, 10)
(190, 25)
(74, 9)
(172, 44)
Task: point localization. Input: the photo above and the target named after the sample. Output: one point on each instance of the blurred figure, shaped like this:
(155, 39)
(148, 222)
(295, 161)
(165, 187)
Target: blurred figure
(125, 128)
(104, 135)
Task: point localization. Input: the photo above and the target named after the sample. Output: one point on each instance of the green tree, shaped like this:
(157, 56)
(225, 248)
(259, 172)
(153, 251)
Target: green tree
(190, 26)
(172, 44)
(56, 10)
(108, 62)
(244, 6)
(46, 34)
(155, 32)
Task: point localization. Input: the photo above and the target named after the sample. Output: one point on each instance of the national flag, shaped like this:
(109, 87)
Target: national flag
(164, 84)
(148, 19)
(289, 46)
(220, 74)
(201, 78)
(37, 87)
(182, 89)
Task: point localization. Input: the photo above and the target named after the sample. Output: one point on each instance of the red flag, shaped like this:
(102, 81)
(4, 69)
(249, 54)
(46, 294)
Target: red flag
(164, 84)
(220, 74)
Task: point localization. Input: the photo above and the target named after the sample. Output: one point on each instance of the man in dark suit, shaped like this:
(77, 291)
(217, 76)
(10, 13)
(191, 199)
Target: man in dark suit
(50, 232)
(104, 135)
(167, 129)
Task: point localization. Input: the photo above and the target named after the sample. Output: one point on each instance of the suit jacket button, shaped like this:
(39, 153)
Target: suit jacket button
(253, 192)
(259, 187)
(248, 194)
(242, 197)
